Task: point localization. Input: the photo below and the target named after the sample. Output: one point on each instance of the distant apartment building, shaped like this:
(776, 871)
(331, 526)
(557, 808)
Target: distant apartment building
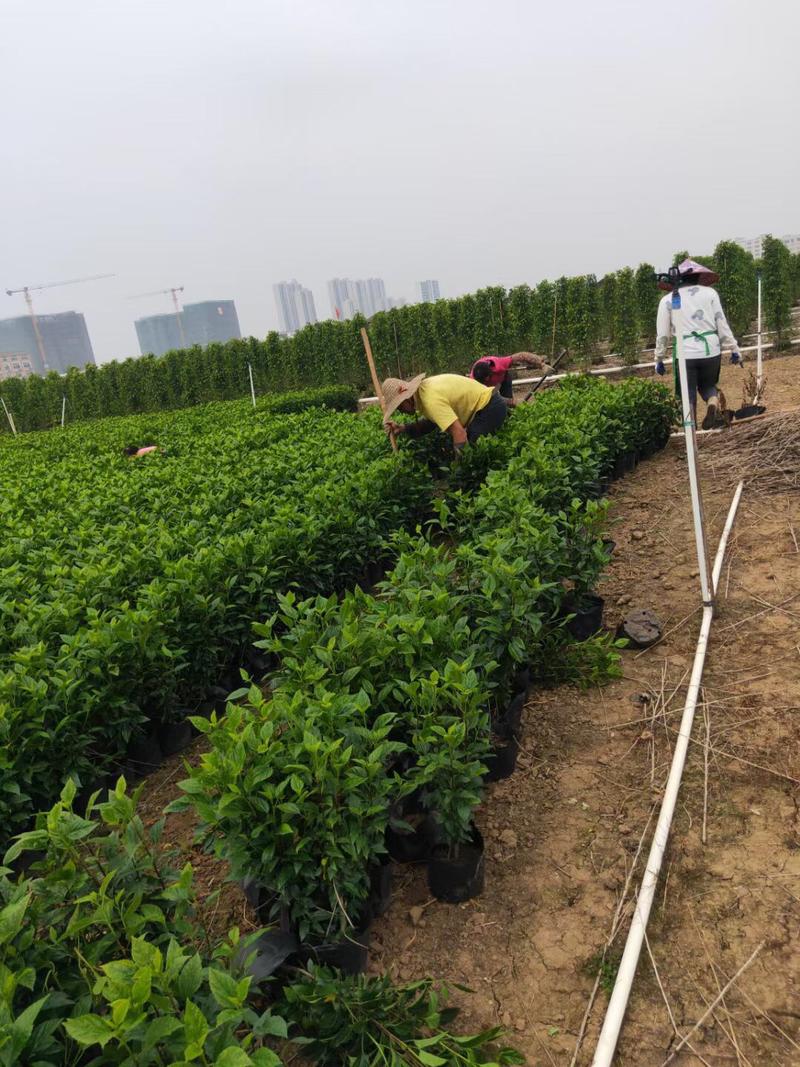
(158, 334)
(64, 337)
(755, 245)
(364, 296)
(200, 324)
(429, 291)
(210, 320)
(295, 305)
(15, 365)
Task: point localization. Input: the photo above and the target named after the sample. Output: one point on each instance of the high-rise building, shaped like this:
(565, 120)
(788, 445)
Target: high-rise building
(755, 245)
(210, 320)
(64, 337)
(364, 296)
(429, 291)
(15, 365)
(200, 324)
(158, 334)
(295, 305)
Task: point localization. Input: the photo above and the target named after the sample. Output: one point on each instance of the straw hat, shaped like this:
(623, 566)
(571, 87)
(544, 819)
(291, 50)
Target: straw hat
(395, 391)
(691, 266)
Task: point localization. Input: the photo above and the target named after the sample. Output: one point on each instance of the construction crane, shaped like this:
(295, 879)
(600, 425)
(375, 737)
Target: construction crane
(28, 289)
(174, 293)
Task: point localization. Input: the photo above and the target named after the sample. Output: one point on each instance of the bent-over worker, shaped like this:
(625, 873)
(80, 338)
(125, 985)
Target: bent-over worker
(455, 404)
(133, 452)
(495, 371)
(706, 330)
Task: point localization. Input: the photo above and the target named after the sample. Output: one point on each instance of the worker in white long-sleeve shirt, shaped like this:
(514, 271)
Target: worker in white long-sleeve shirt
(705, 332)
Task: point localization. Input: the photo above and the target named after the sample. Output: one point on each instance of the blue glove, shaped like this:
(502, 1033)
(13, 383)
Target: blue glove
(660, 367)
(735, 358)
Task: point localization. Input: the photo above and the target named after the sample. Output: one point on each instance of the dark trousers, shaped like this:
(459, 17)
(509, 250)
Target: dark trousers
(488, 419)
(702, 376)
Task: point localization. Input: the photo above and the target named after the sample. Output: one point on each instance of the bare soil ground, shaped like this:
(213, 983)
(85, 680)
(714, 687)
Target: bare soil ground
(561, 833)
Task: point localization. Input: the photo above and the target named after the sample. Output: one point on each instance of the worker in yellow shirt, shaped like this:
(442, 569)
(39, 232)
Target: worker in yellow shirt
(455, 404)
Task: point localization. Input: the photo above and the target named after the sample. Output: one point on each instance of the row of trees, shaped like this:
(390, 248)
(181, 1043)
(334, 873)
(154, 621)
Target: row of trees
(586, 315)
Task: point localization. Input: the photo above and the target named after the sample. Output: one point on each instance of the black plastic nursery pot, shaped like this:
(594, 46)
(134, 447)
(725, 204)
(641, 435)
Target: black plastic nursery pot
(456, 875)
(521, 680)
(350, 954)
(502, 760)
(409, 846)
(144, 756)
(380, 887)
(587, 616)
(512, 717)
(174, 737)
(625, 463)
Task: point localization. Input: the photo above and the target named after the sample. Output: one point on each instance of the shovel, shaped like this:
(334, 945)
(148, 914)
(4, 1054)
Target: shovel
(561, 355)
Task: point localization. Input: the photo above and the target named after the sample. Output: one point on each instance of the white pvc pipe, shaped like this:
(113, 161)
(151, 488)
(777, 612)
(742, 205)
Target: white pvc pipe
(252, 387)
(8, 416)
(617, 1005)
(759, 367)
(723, 541)
(63, 410)
(689, 429)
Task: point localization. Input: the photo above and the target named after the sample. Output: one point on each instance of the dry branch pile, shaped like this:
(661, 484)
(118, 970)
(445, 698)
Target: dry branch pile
(765, 453)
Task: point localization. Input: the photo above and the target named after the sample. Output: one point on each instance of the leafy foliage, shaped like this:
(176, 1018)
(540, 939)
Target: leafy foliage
(368, 1022)
(129, 586)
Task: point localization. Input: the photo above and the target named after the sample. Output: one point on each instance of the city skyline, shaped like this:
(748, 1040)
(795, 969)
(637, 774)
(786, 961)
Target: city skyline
(295, 304)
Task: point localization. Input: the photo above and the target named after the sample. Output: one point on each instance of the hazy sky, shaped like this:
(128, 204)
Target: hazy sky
(224, 145)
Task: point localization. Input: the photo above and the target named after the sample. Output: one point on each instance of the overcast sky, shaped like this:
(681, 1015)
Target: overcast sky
(225, 145)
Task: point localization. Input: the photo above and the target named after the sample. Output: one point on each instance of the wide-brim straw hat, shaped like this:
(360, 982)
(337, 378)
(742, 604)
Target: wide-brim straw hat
(691, 266)
(395, 391)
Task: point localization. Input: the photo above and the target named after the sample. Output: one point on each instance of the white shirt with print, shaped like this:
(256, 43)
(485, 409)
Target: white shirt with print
(700, 311)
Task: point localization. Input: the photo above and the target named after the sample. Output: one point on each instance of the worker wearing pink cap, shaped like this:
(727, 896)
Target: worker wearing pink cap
(705, 331)
(494, 371)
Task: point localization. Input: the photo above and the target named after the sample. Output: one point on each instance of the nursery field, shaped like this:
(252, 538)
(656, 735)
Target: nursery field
(135, 588)
(562, 833)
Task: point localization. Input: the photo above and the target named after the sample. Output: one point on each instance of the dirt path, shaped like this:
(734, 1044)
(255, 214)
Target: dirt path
(562, 832)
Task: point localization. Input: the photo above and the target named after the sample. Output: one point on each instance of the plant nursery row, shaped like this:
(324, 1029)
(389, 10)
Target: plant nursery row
(382, 710)
(387, 711)
(128, 586)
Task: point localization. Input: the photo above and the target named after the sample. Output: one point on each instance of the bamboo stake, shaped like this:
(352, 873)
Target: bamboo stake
(376, 385)
(707, 723)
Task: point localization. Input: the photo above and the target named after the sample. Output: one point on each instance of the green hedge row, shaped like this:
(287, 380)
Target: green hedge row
(381, 695)
(127, 586)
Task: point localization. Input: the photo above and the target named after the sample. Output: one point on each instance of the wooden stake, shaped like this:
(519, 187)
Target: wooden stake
(376, 385)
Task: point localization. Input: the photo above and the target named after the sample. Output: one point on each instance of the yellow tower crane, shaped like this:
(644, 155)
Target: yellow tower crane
(174, 293)
(28, 289)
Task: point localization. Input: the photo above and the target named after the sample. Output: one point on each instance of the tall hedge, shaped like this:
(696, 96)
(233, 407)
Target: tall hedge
(779, 287)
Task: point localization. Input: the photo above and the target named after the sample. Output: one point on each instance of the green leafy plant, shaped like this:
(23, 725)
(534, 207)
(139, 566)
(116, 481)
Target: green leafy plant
(369, 1022)
(296, 794)
(164, 1006)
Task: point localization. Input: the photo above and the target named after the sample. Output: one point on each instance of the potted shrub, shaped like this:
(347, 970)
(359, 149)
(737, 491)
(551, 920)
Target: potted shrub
(295, 794)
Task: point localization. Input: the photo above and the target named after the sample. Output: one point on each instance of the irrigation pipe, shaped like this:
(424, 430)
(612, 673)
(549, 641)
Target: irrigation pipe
(617, 1005)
